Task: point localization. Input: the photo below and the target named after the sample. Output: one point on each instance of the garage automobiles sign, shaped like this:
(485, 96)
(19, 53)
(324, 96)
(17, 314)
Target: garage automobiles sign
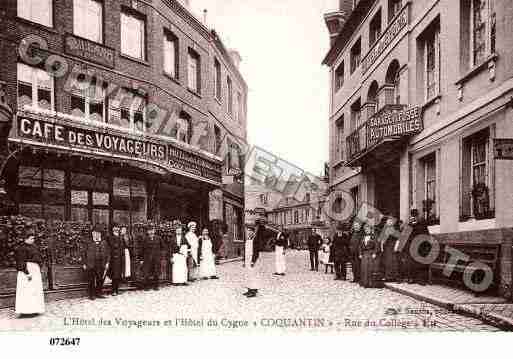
(394, 123)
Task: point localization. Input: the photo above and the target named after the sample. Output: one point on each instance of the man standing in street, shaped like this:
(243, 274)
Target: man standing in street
(253, 246)
(151, 255)
(314, 243)
(340, 252)
(96, 262)
(418, 270)
(354, 247)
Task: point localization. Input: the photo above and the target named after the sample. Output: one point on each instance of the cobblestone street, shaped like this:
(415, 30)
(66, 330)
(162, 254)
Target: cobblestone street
(302, 300)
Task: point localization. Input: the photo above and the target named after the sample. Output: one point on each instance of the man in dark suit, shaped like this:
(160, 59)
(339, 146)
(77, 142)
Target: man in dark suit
(340, 252)
(96, 262)
(354, 248)
(151, 255)
(417, 271)
(314, 243)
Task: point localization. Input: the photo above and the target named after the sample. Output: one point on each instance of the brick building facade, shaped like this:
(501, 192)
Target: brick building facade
(124, 111)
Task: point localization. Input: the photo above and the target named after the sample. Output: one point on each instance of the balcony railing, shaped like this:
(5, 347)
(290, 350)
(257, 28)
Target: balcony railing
(360, 141)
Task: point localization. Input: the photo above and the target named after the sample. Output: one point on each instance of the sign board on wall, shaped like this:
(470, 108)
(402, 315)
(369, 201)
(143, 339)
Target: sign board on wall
(385, 40)
(394, 124)
(503, 148)
(89, 50)
(103, 142)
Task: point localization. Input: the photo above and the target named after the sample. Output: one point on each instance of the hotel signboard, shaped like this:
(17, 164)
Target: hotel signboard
(103, 142)
(89, 50)
(394, 123)
(385, 40)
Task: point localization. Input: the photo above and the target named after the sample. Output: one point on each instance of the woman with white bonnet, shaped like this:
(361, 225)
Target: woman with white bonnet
(179, 253)
(193, 241)
(207, 268)
(30, 299)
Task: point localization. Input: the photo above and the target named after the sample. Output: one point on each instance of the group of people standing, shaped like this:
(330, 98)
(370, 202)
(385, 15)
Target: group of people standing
(110, 255)
(375, 253)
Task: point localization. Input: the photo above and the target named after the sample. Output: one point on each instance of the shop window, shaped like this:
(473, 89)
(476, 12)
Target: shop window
(217, 80)
(429, 48)
(88, 100)
(130, 201)
(39, 11)
(356, 55)
(230, 95)
(429, 200)
(133, 35)
(339, 76)
(171, 54)
(477, 177)
(41, 192)
(375, 28)
(90, 198)
(194, 71)
(394, 6)
(88, 19)
(35, 88)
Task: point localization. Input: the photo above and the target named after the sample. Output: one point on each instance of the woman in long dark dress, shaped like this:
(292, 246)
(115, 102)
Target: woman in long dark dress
(117, 256)
(390, 260)
(29, 287)
(370, 259)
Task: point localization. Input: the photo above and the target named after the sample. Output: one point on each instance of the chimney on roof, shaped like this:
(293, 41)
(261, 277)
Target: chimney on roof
(236, 58)
(335, 20)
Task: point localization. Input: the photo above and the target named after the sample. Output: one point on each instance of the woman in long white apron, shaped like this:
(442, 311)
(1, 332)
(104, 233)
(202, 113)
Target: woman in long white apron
(279, 253)
(193, 241)
(207, 257)
(127, 263)
(180, 250)
(29, 285)
(251, 255)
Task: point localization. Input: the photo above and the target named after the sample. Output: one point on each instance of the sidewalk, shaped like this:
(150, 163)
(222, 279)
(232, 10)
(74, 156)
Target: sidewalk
(492, 310)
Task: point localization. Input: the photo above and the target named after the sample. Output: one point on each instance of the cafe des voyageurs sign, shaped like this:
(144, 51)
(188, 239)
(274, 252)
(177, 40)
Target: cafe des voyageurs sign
(103, 142)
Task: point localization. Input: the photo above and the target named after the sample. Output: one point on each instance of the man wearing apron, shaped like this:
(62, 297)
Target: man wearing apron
(253, 246)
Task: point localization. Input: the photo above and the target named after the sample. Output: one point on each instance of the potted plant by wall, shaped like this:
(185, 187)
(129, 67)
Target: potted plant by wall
(481, 201)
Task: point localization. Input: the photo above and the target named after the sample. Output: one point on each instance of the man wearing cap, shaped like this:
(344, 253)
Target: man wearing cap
(193, 240)
(117, 255)
(96, 262)
(354, 248)
(314, 243)
(151, 255)
(340, 252)
(417, 271)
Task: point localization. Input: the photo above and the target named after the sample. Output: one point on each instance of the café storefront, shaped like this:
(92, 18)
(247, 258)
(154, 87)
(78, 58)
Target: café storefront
(70, 175)
(76, 172)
